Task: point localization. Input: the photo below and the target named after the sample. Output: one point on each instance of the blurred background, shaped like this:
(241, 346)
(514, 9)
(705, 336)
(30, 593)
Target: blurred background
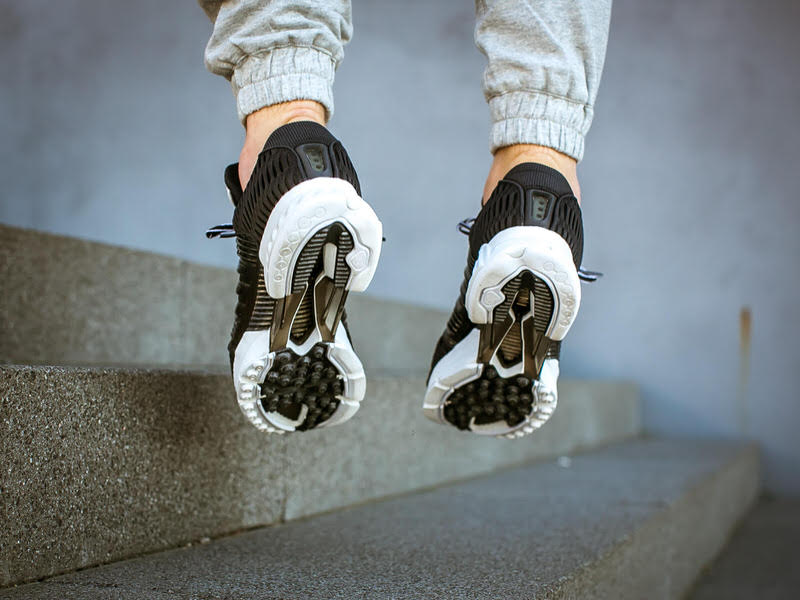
(113, 131)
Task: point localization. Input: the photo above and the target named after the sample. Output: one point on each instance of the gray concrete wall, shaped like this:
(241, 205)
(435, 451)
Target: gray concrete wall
(112, 130)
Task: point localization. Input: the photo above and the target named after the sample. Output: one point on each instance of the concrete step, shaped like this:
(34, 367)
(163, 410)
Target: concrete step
(67, 301)
(102, 464)
(636, 520)
(762, 558)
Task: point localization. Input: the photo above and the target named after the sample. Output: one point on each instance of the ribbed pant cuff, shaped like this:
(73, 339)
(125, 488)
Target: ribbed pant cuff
(534, 118)
(281, 75)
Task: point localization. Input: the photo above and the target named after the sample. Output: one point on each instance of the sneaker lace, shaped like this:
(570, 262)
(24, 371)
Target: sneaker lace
(465, 227)
(225, 230)
(221, 231)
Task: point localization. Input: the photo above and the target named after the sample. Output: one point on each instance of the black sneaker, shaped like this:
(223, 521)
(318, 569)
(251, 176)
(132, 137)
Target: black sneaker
(495, 368)
(305, 238)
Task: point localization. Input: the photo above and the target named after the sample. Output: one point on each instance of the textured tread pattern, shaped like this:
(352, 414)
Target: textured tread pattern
(308, 261)
(309, 266)
(342, 270)
(263, 308)
(296, 381)
(543, 310)
(510, 349)
(490, 397)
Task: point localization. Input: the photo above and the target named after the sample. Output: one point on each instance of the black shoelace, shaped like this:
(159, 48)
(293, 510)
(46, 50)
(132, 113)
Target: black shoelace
(221, 231)
(225, 230)
(465, 227)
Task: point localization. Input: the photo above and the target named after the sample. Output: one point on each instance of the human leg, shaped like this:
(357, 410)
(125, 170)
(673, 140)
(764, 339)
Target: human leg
(305, 238)
(544, 61)
(495, 368)
(280, 58)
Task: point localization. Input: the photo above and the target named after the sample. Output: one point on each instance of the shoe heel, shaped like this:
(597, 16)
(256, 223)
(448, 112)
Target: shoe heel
(542, 252)
(303, 211)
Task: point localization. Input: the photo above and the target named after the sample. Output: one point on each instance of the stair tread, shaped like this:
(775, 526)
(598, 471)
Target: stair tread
(610, 520)
(762, 558)
(104, 464)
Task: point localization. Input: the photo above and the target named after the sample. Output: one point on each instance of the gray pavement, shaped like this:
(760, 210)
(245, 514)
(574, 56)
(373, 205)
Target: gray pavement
(762, 560)
(636, 520)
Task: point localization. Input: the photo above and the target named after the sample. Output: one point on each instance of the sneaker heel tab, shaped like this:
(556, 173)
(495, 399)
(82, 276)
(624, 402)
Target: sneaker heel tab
(296, 133)
(536, 175)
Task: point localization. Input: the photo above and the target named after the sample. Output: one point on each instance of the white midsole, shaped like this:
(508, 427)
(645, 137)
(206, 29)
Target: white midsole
(300, 213)
(547, 255)
(541, 251)
(454, 369)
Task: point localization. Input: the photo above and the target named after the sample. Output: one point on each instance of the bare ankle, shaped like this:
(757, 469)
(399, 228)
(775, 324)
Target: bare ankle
(260, 125)
(508, 157)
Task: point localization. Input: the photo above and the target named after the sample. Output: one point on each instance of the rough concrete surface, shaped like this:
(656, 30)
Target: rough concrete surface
(70, 301)
(612, 524)
(103, 464)
(762, 560)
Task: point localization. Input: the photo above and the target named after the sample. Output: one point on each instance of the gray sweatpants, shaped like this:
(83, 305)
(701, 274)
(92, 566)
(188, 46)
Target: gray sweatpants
(544, 60)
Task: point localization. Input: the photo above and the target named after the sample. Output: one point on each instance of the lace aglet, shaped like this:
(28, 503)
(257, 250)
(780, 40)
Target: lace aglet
(589, 276)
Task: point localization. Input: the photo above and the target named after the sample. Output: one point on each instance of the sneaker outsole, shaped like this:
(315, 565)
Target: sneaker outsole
(524, 276)
(321, 241)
